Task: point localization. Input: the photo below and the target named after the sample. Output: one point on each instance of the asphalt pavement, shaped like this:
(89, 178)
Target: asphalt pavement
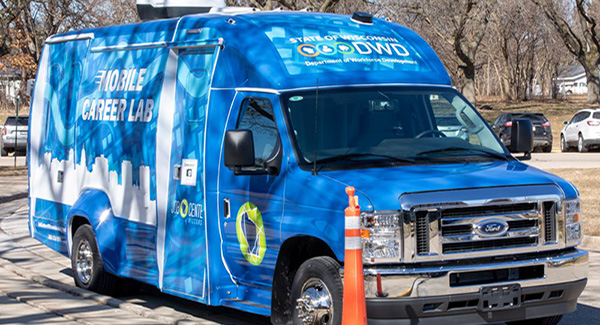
(567, 160)
(10, 161)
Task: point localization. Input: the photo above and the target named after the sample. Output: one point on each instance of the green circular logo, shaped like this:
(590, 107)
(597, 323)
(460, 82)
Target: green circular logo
(183, 212)
(251, 233)
(344, 48)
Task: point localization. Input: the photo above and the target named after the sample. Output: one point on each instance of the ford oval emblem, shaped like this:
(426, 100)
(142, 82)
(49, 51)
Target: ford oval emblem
(491, 228)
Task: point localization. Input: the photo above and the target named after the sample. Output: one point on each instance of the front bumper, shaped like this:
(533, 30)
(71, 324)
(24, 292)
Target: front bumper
(427, 292)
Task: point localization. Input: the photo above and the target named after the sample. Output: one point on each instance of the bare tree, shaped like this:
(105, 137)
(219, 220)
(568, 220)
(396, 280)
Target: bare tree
(315, 5)
(9, 11)
(459, 26)
(580, 37)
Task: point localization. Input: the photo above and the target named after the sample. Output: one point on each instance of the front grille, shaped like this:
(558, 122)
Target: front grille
(422, 232)
(486, 210)
(549, 221)
(464, 229)
(489, 244)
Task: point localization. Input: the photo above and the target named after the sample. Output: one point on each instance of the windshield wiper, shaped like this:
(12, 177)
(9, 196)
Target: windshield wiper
(351, 157)
(488, 153)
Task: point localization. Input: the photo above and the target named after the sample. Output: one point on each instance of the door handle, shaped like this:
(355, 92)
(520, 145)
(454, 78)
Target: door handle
(177, 172)
(226, 208)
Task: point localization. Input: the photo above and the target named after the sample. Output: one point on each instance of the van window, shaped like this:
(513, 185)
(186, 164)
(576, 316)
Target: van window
(194, 76)
(257, 116)
(387, 126)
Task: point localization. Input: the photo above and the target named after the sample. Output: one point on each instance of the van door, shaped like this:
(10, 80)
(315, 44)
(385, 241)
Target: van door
(252, 200)
(571, 132)
(185, 263)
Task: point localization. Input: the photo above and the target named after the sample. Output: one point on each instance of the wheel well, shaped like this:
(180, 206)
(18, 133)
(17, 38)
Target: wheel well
(76, 222)
(292, 254)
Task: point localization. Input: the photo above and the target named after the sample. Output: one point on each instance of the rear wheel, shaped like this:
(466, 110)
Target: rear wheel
(564, 147)
(3, 151)
(317, 293)
(547, 148)
(581, 144)
(87, 266)
(550, 320)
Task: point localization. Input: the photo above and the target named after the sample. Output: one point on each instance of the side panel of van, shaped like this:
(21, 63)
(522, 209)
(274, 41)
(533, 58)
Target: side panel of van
(96, 151)
(53, 141)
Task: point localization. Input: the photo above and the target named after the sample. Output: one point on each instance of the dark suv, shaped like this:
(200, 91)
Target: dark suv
(542, 131)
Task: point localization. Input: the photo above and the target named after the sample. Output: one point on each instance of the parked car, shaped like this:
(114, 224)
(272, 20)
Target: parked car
(14, 128)
(450, 126)
(542, 131)
(583, 131)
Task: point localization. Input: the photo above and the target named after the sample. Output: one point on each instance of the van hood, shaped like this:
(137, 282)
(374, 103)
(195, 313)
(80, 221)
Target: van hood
(383, 186)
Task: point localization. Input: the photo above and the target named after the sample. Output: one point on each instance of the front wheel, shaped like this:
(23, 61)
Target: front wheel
(550, 320)
(87, 266)
(581, 144)
(317, 293)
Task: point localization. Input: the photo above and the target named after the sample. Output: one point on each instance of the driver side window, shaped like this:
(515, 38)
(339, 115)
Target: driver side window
(257, 116)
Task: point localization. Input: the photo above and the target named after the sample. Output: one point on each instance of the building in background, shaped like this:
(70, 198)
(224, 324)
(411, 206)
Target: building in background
(571, 80)
(10, 86)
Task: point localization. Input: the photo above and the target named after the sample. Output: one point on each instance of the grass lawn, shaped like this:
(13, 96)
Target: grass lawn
(587, 182)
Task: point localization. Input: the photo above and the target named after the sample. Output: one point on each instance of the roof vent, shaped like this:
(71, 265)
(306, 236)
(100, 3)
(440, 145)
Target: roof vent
(362, 17)
(160, 9)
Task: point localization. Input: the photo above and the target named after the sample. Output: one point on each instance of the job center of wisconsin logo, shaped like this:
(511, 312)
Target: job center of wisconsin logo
(251, 233)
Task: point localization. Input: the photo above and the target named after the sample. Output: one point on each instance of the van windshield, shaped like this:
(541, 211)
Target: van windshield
(388, 127)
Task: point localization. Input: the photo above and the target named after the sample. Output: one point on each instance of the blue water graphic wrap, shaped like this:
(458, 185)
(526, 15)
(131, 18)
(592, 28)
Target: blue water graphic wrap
(119, 110)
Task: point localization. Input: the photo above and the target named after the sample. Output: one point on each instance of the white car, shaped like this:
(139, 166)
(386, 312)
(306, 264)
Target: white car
(583, 131)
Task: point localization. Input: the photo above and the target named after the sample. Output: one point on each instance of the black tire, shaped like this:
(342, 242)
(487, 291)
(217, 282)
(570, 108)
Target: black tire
(564, 146)
(550, 320)
(3, 151)
(99, 280)
(547, 148)
(581, 144)
(326, 270)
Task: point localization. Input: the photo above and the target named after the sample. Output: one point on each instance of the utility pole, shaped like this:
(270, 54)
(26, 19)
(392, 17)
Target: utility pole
(17, 129)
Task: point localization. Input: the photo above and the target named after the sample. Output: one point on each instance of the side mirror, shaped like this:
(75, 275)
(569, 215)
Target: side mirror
(566, 122)
(521, 138)
(239, 149)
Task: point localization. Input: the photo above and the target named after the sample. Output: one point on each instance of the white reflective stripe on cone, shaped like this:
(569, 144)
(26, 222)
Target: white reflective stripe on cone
(353, 243)
(352, 222)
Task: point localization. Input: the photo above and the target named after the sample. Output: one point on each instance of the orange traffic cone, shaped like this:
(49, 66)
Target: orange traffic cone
(355, 306)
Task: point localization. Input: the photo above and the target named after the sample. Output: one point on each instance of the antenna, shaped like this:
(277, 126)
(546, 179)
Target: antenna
(314, 172)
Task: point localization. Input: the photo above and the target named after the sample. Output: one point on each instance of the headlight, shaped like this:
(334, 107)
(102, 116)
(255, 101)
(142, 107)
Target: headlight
(572, 211)
(381, 237)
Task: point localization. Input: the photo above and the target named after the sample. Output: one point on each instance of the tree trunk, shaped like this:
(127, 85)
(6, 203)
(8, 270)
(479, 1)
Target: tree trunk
(468, 89)
(593, 88)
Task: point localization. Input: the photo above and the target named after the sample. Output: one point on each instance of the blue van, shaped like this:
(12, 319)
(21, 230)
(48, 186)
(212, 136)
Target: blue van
(207, 155)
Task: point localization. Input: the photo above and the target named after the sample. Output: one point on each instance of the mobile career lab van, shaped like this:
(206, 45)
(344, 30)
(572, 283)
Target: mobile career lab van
(208, 155)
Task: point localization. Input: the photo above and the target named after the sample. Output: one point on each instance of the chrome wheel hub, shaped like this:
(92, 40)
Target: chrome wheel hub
(315, 304)
(84, 261)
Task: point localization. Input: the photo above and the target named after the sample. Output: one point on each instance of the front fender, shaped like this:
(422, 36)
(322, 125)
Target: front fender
(94, 206)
